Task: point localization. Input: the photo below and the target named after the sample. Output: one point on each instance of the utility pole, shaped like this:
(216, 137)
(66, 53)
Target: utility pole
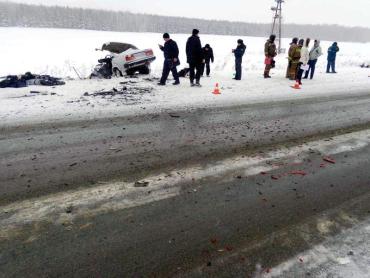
(277, 23)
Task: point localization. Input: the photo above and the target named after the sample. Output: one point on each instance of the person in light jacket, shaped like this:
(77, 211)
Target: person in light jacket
(315, 53)
(303, 61)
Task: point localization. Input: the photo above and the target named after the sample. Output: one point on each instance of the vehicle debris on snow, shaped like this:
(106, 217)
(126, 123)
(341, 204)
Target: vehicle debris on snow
(28, 79)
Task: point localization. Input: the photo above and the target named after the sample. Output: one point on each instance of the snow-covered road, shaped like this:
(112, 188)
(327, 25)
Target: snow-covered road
(68, 103)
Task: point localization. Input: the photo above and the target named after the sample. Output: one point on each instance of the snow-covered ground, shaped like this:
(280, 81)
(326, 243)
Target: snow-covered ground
(57, 51)
(345, 255)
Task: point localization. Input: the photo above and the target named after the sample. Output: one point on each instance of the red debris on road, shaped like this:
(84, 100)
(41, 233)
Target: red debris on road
(298, 173)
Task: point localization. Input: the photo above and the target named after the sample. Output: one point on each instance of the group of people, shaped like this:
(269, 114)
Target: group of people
(301, 60)
(199, 59)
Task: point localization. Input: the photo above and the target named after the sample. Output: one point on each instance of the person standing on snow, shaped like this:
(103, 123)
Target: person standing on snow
(303, 61)
(332, 56)
(315, 53)
(292, 49)
(296, 56)
(239, 53)
(208, 57)
(270, 54)
(171, 60)
(194, 53)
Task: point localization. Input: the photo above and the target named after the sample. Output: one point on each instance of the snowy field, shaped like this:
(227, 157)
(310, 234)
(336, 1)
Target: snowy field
(57, 51)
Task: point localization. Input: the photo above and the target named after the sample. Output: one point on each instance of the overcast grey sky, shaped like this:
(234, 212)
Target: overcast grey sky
(342, 12)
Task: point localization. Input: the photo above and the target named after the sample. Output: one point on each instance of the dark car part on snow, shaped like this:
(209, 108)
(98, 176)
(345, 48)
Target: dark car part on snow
(184, 72)
(103, 69)
(117, 47)
(14, 81)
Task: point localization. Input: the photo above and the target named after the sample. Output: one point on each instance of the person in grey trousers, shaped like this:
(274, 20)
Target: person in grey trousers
(315, 53)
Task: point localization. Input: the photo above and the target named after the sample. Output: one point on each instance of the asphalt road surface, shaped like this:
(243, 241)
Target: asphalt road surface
(39, 160)
(204, 213)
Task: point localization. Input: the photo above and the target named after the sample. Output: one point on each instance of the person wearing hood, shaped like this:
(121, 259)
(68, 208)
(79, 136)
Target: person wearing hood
(195, 58)
(239, 53)
(171, 60)
(270, 54)
(303, 61)
(332, 56)
(294, 56)
(315, 53)
(293, 46)
(208, 58)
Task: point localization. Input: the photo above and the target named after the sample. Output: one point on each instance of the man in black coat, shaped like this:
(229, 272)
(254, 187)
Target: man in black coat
(239, 53)
(194, 53)
(208, 58)
(171, 60)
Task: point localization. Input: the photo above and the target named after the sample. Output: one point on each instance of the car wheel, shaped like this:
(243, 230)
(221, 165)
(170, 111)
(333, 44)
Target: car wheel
(144, 70)
(117, 72)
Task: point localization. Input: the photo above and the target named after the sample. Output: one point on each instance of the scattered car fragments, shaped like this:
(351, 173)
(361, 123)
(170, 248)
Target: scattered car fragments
(28, 79)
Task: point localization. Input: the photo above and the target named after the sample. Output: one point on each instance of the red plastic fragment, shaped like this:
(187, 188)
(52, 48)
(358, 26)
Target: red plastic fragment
(263, 173)
(298, 173)
(268, 270)
(229, 248)
(275, 177)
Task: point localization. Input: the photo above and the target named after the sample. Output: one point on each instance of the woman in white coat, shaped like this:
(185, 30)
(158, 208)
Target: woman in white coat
(303, 62)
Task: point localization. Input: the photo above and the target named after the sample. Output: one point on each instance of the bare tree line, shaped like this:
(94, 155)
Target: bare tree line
(23, 15)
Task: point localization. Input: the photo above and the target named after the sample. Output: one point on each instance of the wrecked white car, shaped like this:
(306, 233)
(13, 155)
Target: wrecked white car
(127, 58)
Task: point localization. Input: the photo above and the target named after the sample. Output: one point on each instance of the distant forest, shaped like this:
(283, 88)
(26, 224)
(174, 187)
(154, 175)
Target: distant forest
(23, 15)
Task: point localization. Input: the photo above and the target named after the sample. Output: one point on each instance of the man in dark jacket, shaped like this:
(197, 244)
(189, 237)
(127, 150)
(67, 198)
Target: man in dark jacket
(208, 57)
(270, 53)
(194, 53)
(171, 60)
(332, 56)
(239, 53)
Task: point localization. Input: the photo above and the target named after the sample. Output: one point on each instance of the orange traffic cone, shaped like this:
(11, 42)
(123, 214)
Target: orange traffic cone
(217, 91)
(296, 86)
